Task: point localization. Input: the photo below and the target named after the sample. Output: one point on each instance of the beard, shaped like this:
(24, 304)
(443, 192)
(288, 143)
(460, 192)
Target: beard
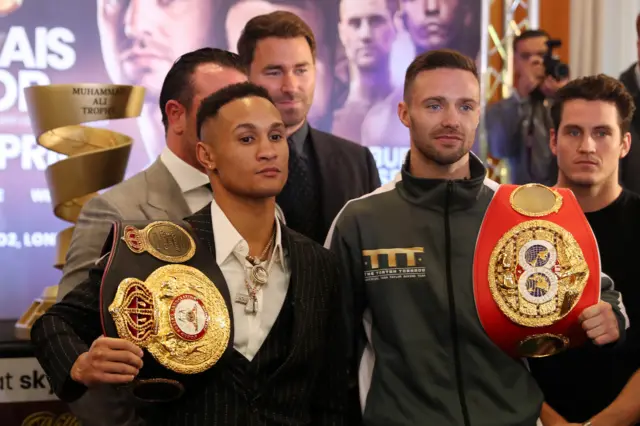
(292, 116)
(428, 146)
(442, 158)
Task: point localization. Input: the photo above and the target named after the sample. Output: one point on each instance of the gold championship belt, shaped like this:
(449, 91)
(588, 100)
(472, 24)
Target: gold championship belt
(536, 268)
(162, 293)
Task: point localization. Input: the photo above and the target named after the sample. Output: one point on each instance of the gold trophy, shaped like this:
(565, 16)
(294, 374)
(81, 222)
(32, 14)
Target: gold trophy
(96, 158)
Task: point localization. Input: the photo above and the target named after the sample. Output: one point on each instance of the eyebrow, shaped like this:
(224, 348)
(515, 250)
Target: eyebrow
(247, 126)
(251, 126)
(274, 67)
(571, 126)
(443, 99)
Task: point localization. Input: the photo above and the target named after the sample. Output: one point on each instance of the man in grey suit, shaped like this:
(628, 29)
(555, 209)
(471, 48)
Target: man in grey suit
(173, 187)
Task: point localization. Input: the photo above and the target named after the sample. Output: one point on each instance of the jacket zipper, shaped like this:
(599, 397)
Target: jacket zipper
(452, 309)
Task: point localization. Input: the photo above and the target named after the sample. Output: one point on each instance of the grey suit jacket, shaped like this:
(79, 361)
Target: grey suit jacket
(152, 194)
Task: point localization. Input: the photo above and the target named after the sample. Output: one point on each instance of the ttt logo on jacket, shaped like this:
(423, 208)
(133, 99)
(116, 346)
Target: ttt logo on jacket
(393, 263)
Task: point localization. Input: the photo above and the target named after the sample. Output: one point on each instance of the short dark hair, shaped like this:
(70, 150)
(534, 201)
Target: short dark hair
(595, 88)
(178, 82)
(280, 24)
(211, 104)
(434, 59)
(638, 25)
(527, 34)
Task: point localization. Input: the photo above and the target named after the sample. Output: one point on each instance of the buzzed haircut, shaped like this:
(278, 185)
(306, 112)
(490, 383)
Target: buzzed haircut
(436, 59)
(599, 87)
(211, 105)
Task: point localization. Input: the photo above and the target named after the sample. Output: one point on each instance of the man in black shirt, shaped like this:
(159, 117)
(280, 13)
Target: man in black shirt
(591, 119)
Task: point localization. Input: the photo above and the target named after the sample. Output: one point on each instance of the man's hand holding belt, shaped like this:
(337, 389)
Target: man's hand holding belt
(600, 323)
(108, 361)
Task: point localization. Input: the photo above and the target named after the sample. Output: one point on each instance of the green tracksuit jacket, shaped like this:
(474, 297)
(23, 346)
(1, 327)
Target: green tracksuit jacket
(419, 350)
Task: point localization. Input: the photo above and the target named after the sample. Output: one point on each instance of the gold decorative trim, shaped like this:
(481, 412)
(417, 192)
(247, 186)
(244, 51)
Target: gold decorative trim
(543, 345)
(535, 200)
(177, 314)
(541, 293)
(163, 240)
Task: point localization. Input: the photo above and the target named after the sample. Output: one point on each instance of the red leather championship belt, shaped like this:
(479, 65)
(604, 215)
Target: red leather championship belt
(536, 268)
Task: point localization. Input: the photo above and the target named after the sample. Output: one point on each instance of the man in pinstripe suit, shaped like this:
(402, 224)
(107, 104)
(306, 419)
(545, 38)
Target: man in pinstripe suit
(288, 363)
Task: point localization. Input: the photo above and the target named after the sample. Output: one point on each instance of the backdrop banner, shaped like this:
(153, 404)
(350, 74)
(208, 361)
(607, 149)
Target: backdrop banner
(364, 48)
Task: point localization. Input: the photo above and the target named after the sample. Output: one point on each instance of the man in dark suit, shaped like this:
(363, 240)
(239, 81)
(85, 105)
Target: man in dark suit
(287, 365)
(325, 171)
(630, 165)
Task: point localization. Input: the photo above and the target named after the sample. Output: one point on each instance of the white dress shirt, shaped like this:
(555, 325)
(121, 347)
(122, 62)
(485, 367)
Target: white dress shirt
(190, 180)
(250, 330)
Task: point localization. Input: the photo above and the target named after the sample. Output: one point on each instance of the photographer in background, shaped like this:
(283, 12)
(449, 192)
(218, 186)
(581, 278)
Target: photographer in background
(518, 127)
(630, 165)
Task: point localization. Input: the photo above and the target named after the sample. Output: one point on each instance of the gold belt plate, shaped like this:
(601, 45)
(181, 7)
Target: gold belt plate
(163, 240)
(537, 273)
(177, 314)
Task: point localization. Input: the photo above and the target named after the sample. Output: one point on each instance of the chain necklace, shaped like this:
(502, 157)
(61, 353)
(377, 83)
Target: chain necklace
(257, 277)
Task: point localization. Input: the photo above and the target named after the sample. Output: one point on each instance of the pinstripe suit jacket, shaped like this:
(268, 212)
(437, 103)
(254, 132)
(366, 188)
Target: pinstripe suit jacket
(308, 388)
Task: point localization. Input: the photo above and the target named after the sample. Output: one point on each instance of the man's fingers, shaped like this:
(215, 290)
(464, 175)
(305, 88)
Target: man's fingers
(592, 323)
(116, 368)
(121, 356)
(590, 312)
(605, 339)
(119, 344)
(596, 332)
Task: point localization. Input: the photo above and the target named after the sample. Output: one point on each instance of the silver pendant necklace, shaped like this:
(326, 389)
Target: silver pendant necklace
(258, 276)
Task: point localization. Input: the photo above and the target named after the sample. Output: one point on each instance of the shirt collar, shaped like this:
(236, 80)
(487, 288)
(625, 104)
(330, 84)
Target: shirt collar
(228, 240)
(300, 136)
(186, 176)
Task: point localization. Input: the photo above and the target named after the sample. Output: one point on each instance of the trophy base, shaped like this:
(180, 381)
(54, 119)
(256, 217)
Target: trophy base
(543, 345)
(157, 390)
(39, 306)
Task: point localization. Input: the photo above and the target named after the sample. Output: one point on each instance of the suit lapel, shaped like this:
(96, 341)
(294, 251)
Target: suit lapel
(329, 164)
(298, 287)
(203, 227)
(164, 197)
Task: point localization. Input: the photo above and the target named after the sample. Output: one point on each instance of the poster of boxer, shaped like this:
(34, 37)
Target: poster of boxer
(364, 47)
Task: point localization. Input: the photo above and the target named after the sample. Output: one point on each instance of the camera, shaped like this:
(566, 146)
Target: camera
(552, 65)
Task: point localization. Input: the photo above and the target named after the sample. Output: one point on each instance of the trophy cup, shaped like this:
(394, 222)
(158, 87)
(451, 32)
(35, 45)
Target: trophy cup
(96, 158)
